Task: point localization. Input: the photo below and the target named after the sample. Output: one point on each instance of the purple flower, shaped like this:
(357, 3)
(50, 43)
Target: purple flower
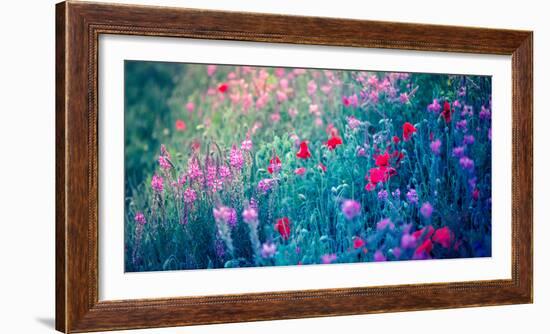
(426, 210)
(328, 258)
(385, 223)
(140, 218)
(189, 196)
(462, 125)
(268, 250)
(485, 113)
(157, 183)
(435, 146)
(412, 196)
(265, 185)
(227, 215)
(435, 107)
(212, 180)
(224, 172)
(379, 256)
(467, 111)
(396, 251)
(458, 151)
(382, 195)
(250, 215)
(469, 139)
(408, 241)
(351, 209)
(236, 157)
(466, 163)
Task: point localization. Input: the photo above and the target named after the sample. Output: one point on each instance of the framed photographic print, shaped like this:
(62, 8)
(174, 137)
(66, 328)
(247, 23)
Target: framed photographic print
(222, 166)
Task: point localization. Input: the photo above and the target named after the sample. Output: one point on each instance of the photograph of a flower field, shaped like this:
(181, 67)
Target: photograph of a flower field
(237, 166)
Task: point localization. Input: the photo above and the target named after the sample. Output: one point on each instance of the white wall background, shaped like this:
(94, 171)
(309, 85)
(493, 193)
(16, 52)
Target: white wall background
(27, 69)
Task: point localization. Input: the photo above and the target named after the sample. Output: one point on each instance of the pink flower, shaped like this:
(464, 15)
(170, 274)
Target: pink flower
(353, 122)
(311, 87)
(236, 157)
(435, 146)
(164, 163)
(328, 258)
(426, 210)
(190, 106)
(250, 215)
(189, 196)
(140, 218)
(275, 117)
(157, 183)
(379, 256)
(408, 241)
(246, 145)
(292, 112)
(226, 215)
(351, 209)
(403, 98)
(300, 171)
(268, 250)
(180, 125)
(314, 109)
(385, 223)
(211, 69)
(193, 169)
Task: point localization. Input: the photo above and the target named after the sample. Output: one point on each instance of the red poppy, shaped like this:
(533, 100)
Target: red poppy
(283, 226)
(222, 88)
(303, 153)
(377, 175)
(424, 233)
(382, 160)
(334, 141)
(358, 243)
(274, 165)
(447, 112)
(443, 237)
(424, 249)
(180, 125)
(408, 130)
(395, 139)
(370, 186)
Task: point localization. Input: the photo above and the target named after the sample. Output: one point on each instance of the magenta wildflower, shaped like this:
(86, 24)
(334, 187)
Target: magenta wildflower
(164, 163)
(236, 157)
(485, 113)
(140, 218)
(385, 223)
(379, 256)
(351, 209)
(157, 183)
(426, 210)
(434, 107)
(311, 87)
(462, 125)
(466, 163)
(403, 98)
(193, 169)
(458, 151)
(246, 145)
(435, 146)
(469, 139)
(189, 196)
(408, 241)
(224, 172)
(265, 185)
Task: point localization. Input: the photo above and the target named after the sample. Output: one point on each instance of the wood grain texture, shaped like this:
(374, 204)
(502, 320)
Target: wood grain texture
(78, 27)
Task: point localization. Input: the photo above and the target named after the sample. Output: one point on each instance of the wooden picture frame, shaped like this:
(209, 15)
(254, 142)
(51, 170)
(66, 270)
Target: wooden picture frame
(78, 27)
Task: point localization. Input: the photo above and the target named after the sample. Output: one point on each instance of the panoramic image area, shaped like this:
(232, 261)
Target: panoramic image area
(230, 166)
